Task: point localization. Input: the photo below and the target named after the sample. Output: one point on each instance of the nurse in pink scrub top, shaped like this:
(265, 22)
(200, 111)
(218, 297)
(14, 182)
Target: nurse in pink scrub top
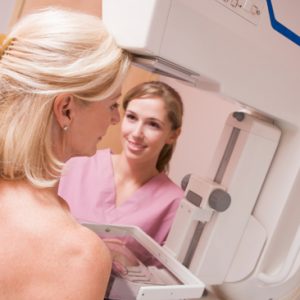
(132, 188)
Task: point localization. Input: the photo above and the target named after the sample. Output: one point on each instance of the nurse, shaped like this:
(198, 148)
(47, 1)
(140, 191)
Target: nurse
(132, 188)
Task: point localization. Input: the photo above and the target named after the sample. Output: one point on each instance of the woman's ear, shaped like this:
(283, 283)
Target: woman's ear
(173, 136)
(63, 108)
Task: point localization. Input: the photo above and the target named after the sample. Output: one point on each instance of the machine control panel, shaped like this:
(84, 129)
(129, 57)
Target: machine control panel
(247, 9)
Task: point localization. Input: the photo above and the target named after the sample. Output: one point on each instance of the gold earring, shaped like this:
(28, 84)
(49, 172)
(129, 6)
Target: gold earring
(4, 47)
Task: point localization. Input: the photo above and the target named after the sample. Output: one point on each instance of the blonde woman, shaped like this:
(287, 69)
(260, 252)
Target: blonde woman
(60, 78)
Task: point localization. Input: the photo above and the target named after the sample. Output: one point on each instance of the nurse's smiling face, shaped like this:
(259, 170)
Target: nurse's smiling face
(146, 129)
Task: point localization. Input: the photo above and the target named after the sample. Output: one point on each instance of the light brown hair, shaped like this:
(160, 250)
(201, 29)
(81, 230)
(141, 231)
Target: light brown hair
(174, 107)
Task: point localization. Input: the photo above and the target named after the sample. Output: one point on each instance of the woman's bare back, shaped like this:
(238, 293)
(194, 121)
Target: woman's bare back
(45, 254)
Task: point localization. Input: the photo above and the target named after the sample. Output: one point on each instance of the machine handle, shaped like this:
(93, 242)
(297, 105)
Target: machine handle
(284, 272)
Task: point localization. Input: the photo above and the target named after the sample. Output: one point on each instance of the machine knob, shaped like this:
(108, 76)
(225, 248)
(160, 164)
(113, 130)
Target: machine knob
(239, 115)
(185, 180)
(219, 200)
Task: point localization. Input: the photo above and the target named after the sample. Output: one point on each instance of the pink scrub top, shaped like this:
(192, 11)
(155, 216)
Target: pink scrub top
(88, 186)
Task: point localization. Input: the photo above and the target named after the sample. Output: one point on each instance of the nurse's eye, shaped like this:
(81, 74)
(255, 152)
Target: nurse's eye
(154, 125)
(114, 106)
(130, 117)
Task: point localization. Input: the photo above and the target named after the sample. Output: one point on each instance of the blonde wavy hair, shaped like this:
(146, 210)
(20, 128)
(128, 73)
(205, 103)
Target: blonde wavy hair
(49, 52)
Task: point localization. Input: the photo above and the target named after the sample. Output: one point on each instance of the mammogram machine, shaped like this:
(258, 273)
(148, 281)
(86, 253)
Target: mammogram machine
(237, 230)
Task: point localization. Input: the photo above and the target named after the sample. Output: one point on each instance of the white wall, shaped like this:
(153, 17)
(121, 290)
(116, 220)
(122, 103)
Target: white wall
(204, 116)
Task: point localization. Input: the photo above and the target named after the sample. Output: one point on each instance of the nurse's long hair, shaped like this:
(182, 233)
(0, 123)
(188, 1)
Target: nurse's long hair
(174, 107)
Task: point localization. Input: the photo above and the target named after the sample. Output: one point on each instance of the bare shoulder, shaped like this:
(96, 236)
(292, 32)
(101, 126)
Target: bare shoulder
(90, 264)
(93, 245)
(48, 255)
(82, 261)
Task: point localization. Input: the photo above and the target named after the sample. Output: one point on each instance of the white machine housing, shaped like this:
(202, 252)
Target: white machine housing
(232, 238)
(249, 51)
(253, 63)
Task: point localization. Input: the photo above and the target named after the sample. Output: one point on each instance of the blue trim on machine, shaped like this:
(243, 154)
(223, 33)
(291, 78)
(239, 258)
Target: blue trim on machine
(280, 27)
